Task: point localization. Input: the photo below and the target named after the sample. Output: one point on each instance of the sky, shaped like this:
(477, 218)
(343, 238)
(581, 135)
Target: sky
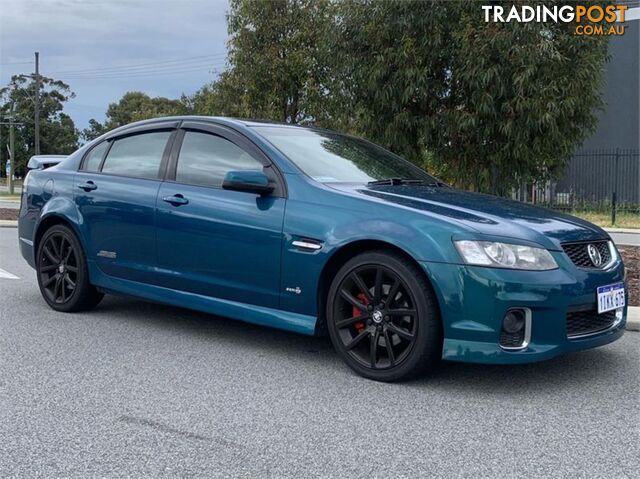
(104, 48)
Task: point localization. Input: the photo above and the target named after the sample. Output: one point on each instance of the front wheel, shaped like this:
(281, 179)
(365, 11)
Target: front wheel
(62, 272)
(383, 317)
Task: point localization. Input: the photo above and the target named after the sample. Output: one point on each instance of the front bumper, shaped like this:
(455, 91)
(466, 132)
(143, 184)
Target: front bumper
(473, 301)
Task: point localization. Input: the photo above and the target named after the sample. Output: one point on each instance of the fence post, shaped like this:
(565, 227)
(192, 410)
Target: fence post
(614, 195)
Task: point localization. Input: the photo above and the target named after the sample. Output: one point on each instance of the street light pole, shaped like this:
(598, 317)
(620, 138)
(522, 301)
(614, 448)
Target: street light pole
(0, 142)
(11, 162)
(37, 105)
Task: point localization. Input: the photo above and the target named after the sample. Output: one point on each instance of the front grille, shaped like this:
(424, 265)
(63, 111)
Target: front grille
(512, 340)
(579, 253)
(580, 323)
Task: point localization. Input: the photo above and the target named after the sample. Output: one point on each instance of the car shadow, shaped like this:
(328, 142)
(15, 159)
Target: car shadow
(187, 321)
(582, 367)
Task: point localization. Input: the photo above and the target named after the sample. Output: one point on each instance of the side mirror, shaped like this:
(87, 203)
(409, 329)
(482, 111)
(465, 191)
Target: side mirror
(250, 181)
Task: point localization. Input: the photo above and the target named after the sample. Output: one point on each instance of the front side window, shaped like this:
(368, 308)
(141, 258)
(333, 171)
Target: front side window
(93, 159)
(205, 159)
(137, 156)
(330, 157)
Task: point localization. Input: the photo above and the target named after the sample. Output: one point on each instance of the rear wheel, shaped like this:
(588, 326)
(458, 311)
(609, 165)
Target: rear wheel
(383, 318)
(62, 272)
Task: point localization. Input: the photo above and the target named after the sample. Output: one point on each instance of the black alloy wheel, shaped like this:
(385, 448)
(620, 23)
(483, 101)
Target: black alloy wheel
(62, 272)
(375, 316)
(383, 317)
(58, 268)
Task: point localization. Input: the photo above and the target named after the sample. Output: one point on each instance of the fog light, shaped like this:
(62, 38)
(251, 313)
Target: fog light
(619, 313)
(516, 329)
(513, 321)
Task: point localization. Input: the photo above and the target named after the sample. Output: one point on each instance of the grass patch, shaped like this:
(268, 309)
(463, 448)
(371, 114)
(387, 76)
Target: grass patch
(4, 195)
(624, 219)
(3, 182)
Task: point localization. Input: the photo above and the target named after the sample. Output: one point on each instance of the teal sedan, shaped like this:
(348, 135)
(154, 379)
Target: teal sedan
(317, 232)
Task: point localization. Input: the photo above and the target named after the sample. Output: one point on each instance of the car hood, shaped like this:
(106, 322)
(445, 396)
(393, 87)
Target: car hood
(484, 214)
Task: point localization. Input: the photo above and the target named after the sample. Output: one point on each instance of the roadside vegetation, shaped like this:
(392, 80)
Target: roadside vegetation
(624, 219)
(3, 182)
(631, 258)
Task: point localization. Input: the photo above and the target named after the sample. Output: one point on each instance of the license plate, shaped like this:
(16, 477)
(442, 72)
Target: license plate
(610, 297)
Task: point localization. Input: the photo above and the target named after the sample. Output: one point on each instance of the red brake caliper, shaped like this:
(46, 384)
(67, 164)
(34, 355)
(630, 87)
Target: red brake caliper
(356, 312)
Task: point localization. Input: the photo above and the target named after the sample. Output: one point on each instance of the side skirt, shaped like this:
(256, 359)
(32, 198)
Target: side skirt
(275, 318)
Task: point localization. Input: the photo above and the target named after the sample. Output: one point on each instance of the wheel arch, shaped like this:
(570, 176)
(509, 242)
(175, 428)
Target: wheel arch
(47, 222)
(339, 257)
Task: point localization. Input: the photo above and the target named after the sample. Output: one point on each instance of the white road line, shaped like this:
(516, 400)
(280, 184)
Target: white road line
(6, 275)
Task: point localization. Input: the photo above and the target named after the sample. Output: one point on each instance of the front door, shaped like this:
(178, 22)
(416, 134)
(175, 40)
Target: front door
(115, 191)
(215, 242)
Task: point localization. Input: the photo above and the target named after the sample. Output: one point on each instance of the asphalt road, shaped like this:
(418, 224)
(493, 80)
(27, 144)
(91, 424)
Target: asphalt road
(143, 390)
(629, 239)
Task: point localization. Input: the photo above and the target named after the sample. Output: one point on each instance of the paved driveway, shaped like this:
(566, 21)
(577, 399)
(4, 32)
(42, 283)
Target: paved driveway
(143, 390)
(9, 204)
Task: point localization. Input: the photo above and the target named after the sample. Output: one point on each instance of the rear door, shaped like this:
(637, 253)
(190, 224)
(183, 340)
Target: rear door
(215, 242)
(115, 191)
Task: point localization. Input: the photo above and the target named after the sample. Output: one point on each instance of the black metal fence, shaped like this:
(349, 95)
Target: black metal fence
(596, 180)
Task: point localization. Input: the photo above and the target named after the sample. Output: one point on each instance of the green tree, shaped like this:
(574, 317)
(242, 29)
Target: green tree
(490, 104)
(218, 98)
(94, 130)
(58, 134)
(276, 57)
(133, 106)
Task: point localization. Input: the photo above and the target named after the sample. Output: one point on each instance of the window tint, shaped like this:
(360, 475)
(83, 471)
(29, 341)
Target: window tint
(93, 159)
(138, 156)
(204, 159)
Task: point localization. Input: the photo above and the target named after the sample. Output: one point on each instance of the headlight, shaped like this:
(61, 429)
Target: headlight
(504, 255)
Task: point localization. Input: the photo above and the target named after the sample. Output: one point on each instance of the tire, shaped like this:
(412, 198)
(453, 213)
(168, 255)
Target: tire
(61, 268)
(363, 320)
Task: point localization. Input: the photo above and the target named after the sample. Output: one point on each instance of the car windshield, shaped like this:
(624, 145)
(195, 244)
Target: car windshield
(329, 157)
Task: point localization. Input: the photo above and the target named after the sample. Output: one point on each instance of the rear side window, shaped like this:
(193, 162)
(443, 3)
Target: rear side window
(138, 156)
(204, 159)
(93, 159)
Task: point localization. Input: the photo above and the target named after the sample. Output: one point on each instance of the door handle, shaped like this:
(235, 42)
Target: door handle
(88, 186)
(176, 200)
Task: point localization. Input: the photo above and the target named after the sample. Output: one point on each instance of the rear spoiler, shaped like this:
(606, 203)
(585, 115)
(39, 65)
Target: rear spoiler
(42, 162)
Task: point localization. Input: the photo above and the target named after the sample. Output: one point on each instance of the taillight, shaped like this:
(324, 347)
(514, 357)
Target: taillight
(25, 183)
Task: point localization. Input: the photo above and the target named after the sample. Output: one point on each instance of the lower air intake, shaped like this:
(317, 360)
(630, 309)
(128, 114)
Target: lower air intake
(511, 340)
(581, 323)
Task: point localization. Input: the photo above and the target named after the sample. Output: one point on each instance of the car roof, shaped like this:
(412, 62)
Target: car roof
(213, 119)
(238, 124)
(220, 120)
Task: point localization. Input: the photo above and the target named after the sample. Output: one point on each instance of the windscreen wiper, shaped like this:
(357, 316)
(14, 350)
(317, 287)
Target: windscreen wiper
(404, 181)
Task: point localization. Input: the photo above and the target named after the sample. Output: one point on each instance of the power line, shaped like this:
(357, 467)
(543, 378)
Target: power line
(159, 69)
(142, 65)
(134, 66)
(16, 63)
(141, 75)
(155, 71)
(73, 104)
